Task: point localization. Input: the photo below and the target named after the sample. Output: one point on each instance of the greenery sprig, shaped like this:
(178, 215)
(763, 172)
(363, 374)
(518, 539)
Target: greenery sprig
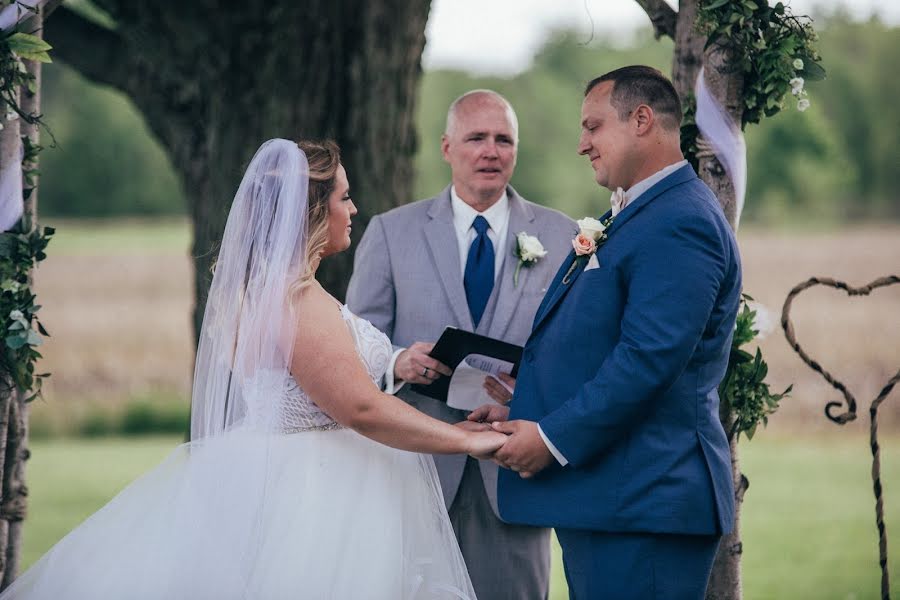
(774, 49)
(21, 249)
(744, 390)
(15, 47)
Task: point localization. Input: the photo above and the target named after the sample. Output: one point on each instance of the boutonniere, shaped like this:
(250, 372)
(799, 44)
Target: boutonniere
(591, 235)
(529, 250)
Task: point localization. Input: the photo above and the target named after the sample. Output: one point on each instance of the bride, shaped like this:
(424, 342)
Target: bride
(302, 480)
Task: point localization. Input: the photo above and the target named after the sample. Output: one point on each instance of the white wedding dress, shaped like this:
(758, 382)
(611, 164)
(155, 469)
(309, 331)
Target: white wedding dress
(332, 515)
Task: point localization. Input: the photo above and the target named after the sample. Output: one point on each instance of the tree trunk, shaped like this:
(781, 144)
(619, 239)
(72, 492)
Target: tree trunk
(726, 86)
(10, 153)
(214, 81)
(15, 493)
(14, 410)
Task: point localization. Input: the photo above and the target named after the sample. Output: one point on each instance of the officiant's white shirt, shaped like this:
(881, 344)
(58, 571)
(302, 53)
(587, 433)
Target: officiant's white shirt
(497, 217)
(631, 194)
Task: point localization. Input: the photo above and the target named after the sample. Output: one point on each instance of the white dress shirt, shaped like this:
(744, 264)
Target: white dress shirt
(631, 194)
(497, 217)
(643, 185)
(464, 215)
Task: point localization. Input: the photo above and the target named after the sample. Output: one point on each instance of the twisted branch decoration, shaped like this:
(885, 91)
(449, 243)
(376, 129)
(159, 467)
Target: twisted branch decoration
(850, 413)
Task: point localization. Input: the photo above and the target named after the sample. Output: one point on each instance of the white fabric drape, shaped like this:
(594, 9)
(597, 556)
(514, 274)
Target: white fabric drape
(726, 138)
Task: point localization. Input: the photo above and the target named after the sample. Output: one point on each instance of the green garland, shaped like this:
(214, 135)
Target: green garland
(774, 50)
(22, 247)
(743, 392)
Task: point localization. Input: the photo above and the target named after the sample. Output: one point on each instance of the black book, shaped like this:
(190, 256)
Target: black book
(456, 344)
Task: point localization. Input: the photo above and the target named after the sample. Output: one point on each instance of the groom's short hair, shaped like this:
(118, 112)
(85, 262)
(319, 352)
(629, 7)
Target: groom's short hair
(639, 84)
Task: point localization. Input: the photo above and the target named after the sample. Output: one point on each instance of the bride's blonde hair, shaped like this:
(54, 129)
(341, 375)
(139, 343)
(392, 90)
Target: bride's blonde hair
(323, 158)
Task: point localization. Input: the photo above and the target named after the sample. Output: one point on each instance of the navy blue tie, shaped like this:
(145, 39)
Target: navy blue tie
(479, 276)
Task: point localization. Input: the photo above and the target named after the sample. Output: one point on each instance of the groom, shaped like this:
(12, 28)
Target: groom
(615, 437)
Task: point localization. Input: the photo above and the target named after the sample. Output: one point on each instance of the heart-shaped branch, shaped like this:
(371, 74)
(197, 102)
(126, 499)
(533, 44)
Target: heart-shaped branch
(788, 327)
(850, 413)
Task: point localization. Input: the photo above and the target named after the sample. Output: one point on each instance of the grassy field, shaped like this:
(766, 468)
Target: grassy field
(808, 520)
(117, 299)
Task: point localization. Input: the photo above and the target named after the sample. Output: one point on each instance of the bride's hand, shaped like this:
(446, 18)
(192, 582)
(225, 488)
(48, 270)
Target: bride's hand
(473, 426)
(483, 444)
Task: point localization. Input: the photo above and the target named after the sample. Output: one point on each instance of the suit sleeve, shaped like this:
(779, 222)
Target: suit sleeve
(370, 293)
(672, 282)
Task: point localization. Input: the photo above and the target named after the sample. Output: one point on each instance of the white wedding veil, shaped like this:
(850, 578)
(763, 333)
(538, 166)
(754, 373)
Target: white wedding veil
(248, 331)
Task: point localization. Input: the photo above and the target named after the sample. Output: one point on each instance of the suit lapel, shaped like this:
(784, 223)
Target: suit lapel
(444, 247)
(521, 218)
(559, 289)
(561, 285)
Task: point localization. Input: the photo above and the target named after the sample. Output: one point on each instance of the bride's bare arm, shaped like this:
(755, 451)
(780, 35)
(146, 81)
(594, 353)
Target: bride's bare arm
(326, 365)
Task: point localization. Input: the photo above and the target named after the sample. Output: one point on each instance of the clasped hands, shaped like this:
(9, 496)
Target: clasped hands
(524, 450)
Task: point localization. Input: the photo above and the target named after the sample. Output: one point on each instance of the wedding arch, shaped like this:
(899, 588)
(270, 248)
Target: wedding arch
(213, 78)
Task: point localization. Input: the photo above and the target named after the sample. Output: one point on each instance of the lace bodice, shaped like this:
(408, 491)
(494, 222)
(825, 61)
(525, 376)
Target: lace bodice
(294, 410)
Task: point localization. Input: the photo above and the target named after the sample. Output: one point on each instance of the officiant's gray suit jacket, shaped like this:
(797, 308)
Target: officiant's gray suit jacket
(408, 282)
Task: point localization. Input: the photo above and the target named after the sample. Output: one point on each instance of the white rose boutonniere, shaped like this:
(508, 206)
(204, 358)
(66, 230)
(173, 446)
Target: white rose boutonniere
(593, 228)
(528, 250)
(591, 235)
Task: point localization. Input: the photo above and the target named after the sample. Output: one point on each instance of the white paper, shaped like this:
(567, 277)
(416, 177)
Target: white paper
(466, 390)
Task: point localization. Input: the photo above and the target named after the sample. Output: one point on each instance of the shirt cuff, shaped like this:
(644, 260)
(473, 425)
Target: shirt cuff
(556, 453)
(391, 386)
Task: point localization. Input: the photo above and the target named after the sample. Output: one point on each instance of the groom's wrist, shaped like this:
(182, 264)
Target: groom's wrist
(553, 450)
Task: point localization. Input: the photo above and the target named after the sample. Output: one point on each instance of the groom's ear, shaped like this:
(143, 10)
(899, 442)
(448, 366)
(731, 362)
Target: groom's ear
(643, 118)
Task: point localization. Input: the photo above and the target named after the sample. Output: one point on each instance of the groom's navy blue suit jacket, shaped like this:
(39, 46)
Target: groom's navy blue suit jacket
(621, 371)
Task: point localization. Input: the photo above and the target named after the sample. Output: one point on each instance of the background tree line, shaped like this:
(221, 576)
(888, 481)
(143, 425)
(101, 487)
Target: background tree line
(837, 161)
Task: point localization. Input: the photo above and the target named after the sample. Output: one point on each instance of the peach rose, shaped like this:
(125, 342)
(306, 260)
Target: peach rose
(584, 245)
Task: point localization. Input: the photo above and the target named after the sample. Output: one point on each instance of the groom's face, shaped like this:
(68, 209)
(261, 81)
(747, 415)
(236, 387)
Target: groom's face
(608, 142)
(481, 150)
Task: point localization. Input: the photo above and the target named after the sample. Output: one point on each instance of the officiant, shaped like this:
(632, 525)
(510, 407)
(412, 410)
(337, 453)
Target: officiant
(478, 257)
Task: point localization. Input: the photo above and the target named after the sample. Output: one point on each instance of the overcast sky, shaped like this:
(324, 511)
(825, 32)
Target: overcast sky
(501, 36)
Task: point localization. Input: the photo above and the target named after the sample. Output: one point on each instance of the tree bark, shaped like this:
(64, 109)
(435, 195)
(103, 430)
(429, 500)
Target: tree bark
(10, 153)
(726, 85)
(13, 409)
(215, 79)
(14, 491)
(6, 403)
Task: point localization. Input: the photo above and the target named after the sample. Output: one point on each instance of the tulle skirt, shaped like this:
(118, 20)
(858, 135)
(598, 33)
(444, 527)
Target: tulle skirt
(316, 514)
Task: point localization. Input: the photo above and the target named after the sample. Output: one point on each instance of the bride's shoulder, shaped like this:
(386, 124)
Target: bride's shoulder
(316, 309)
(321, 334)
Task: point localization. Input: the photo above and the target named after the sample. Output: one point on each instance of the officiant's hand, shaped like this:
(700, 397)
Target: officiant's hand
(498, 391)
(413, 365)
(489, 413)
(525, 451)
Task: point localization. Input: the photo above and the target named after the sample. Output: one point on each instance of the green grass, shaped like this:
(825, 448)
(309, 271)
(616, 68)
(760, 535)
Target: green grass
(89, 237)
(68, 479)
(808, 519)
